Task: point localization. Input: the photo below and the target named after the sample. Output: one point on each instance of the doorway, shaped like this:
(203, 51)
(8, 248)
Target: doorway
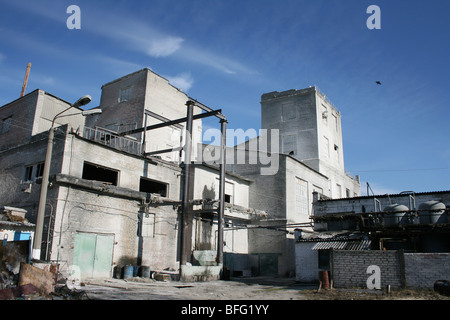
(93, 254)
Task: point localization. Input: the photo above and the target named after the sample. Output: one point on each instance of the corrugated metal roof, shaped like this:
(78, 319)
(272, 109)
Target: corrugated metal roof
(343, 245)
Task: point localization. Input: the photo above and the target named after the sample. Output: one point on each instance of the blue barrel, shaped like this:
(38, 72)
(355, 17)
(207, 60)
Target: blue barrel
(128, 272)
(145, 272)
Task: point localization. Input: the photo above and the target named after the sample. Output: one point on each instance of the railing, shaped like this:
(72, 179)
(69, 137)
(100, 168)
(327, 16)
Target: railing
(111, 139)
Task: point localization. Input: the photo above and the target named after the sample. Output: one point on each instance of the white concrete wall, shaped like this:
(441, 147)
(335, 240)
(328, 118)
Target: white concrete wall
(306, 262)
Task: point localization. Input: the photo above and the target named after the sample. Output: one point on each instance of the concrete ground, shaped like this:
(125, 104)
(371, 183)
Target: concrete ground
(237, 289)
(258, 288)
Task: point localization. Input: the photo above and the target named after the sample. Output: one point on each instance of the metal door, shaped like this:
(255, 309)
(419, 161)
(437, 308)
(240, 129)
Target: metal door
(268, 264)
(93, 254)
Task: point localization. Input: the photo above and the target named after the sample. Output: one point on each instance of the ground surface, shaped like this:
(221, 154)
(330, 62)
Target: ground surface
(237, 289)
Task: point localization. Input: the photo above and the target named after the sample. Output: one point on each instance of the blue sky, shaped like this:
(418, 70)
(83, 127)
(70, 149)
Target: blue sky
(227, 54)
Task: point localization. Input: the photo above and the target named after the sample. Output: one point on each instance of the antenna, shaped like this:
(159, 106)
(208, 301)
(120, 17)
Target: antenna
(25, 81)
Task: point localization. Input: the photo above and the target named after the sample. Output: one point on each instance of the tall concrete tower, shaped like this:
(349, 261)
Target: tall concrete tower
(310, 131)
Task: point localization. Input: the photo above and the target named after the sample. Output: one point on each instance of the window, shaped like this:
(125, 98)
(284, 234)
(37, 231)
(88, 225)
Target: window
(28, 173)
(348, 193)
(336, 123)
(324, 115)
(301, 197)
(339, 190)
(336, 149)
(6, 125)
(99, 173)
(152, 186)
(39, 170)
(125, 94)
(229, 192)
(326, 147)
(32, 172)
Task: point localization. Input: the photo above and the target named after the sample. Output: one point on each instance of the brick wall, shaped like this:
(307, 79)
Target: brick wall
(423, 269)
(397, 269)
(349, 268)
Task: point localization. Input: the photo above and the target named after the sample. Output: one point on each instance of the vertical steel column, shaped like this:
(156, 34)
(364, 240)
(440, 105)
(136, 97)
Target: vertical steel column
(186, 234)
(223, 147)
(144, 142)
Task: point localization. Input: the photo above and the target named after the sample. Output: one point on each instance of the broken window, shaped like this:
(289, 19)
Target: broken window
(6, 125)
(39, 170)
(152, 186)
(33, 172)
(28, 173)
(99, 173)
(125, 94)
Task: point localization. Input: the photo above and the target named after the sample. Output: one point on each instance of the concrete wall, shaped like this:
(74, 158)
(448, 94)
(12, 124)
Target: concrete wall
(148, 92)
(298, 200)
(306, 262)
(33, 114)
(293, 112)
(84, 211)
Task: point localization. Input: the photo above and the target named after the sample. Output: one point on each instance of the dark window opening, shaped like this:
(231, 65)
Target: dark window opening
(324, 259)
(98, 173)
(227, 198)
(39, 170)
(151, 186)
(28, 173)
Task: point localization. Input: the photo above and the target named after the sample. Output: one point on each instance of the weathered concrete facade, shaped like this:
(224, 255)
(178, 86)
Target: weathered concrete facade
(311, 132)
(109, 204)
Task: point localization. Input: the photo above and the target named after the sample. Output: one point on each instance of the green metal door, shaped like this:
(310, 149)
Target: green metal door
(93, 254)
(268, 264)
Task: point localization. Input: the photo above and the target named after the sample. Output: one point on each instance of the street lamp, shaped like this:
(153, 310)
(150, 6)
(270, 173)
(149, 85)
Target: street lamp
(45, 175)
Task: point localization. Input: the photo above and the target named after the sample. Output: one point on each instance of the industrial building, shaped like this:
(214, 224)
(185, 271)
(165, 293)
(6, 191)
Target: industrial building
(118, 180)
(407, 235)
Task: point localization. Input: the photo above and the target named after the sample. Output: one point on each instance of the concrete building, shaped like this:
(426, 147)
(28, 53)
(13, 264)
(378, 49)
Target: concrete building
(109, 203)
(310, 131)
(113, 202)
(309, 157)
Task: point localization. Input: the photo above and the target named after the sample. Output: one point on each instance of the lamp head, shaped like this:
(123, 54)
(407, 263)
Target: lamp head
(84, 100)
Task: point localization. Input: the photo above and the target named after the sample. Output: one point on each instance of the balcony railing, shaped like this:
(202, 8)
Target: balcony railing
(111, 139)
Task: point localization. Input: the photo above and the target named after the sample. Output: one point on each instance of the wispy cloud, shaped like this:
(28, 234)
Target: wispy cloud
(139, 36)
(182, 81)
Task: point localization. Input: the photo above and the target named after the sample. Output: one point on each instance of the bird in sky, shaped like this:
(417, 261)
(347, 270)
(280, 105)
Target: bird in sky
(378, 82)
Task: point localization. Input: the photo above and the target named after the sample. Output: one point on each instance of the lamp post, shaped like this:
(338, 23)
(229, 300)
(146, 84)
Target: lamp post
(45, 177)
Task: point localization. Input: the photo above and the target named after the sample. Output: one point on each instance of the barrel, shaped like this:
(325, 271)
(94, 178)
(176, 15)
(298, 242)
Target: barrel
(324, 278)
(118, 272)
(144, 272)
(128, 272)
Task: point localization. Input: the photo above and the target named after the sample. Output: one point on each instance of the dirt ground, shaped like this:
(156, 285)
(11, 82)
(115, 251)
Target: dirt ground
(236, 289)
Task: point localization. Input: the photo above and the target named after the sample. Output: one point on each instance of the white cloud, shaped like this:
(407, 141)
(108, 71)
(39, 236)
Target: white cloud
(137, 36)
(182, 81)
(164, 47)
